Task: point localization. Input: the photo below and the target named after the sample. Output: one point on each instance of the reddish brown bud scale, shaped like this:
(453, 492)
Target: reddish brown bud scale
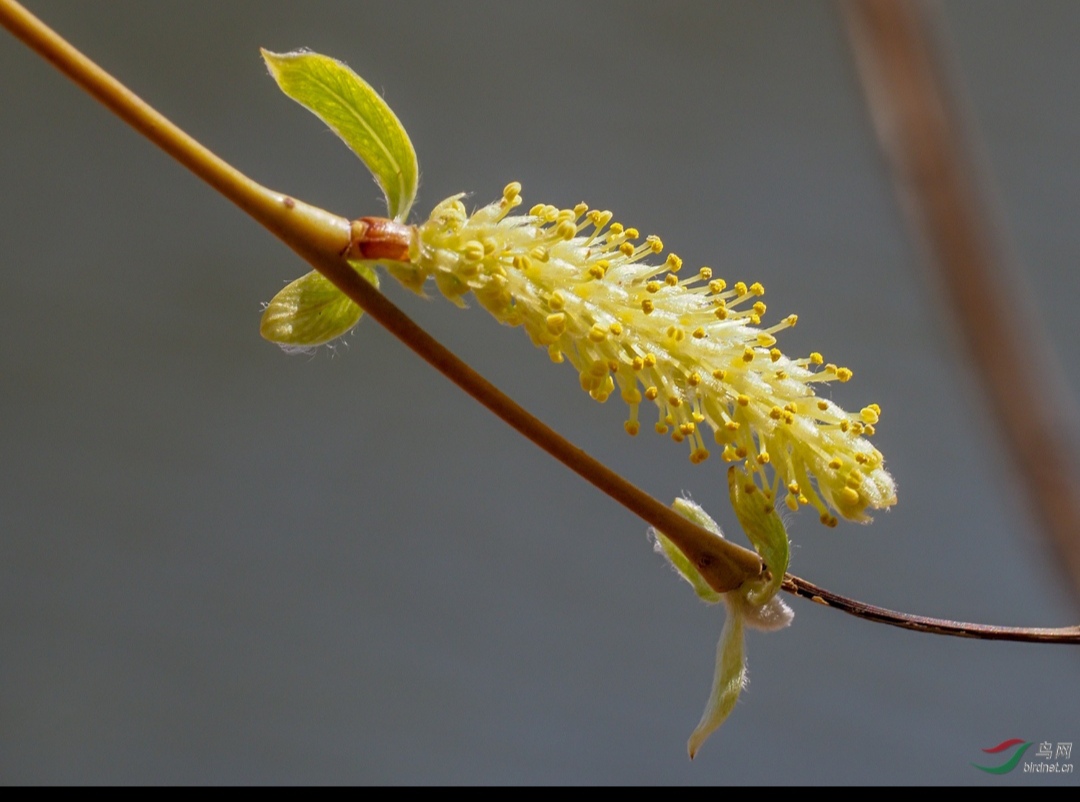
(374, 238)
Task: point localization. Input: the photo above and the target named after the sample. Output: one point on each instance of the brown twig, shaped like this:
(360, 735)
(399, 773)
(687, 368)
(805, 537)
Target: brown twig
(324, 240)
(914, 112)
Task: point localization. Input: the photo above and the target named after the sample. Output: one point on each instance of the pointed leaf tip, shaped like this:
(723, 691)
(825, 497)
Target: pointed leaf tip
(357, 114)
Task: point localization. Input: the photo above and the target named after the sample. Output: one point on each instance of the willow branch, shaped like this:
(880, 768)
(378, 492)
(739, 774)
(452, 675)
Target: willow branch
(920, 132)
(324, 239)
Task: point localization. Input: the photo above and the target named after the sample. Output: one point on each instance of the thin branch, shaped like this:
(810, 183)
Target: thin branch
(920, 132)
(919, 623)
(324, 239)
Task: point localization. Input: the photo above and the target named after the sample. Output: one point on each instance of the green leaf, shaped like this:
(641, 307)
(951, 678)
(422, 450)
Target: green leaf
(764, 528)
(311, 311)
(356, 113)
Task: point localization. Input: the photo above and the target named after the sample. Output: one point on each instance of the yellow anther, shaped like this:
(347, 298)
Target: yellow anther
(775, 354)
(816, 358)
(844, 425)
(638, 363)
(694, 379)
(776, 413)
(699, 333)
(673, 263)
(661, 428)
(792, 503)
(653, 286)
(792, 320)
(632, 233)
(598, 369)
(472, 251)
(728, 454)
(613, 366)
(829, 520)
(511, 191)
(615, 328)
(699, 456)
(835, 464)
(869, 415)
(740, 452)
(674, 401)
(876, 409)
(789, 417)
(830, 368)
(597, 334)
(556, 323)
(566, 230)
(654, 243)
(522, 263)
(763, 458)
(537, 210)
(671, 280)
(564, 216)
(717, 286)
(632, 427)
(490, 245)
(557, 301)
(650, 360)
(540, 253)
(862, 459)
(764, 339)
(651, 393)
(616, 229)
(748, 354)
(597, 272)
(678, 335)
(732, 426)
(687, 428)
(857, 428)
(626, 249)
(849, 496)
(580, 209)
(719, 375)
(869, 430)
(740, 288)
(743, 400)
(705, 273)
(843, 374)
(647, 306)
(698, 417)
(759, 308)
(791, 407)
(721, 313)
(556, 354)
(823, 405)
(631, 396)
(678, 436)
(757, 289)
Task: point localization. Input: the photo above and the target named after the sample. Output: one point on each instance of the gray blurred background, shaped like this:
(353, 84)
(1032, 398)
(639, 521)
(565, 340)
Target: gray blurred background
(219, 563)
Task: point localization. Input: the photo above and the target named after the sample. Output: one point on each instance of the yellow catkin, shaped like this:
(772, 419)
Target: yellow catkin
(582, 289)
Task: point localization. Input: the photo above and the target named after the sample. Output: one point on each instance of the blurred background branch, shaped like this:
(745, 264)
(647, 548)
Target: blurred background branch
(929, 145)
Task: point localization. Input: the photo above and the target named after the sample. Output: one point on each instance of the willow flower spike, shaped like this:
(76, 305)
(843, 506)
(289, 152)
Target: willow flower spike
(598, 295)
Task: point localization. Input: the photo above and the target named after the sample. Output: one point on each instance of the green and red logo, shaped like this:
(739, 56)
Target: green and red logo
(1018, 746)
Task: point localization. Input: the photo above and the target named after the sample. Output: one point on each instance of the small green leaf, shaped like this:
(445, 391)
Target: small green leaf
(729, 678)
(356, 113)
(311, 311)
(764, 528)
